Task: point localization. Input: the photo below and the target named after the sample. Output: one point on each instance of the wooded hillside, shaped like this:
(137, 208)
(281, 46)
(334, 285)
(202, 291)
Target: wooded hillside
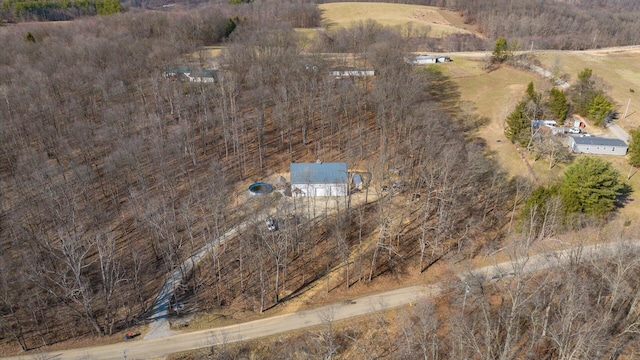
(113, 174)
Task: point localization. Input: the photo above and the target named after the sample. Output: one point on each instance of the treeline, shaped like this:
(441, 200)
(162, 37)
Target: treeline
(45, 10)
(550, 24)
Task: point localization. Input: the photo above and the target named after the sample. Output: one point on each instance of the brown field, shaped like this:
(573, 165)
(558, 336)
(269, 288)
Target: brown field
(494, 94)
(425, 20)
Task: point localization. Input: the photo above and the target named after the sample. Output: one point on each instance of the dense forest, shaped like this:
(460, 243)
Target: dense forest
(112, 174)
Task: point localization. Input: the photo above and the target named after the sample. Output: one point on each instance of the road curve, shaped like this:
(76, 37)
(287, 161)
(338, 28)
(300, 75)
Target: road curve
(152, 348)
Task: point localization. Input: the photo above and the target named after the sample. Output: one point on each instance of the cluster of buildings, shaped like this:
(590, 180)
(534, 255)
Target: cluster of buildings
(580, 142)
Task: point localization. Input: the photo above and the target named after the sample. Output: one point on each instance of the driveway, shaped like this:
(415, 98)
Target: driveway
(157, 347)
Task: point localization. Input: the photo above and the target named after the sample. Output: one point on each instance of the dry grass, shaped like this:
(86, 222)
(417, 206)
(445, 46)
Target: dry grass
(494, 95)
(619, 69)
(424, 20)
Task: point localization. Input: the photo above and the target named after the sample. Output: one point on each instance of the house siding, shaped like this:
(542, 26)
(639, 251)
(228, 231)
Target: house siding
(313, 179)
(599, 146)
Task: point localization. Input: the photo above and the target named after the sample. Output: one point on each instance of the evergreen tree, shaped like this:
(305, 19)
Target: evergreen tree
(634, 148)
(519, 125)
(534, 110)
(583, 92)
(500, 50)
(230, 26)
(531, 92)
(558, 105)
(591, 186)
(599, 109)
(108, 7)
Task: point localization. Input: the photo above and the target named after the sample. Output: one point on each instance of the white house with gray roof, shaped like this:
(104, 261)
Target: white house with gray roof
(319, 179)
(597, 145)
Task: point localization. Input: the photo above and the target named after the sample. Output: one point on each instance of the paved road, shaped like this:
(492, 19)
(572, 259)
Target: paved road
(152, 348)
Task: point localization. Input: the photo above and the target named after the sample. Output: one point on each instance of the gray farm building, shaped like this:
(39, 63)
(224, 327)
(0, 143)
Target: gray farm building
(319, 179)
(423, 59)
(597, 145)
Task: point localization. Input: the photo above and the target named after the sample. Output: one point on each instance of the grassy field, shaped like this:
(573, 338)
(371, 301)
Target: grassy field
(422, 20)
(494, 94)
(620, 71)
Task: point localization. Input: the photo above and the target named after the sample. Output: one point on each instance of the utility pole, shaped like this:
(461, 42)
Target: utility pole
(627, 109)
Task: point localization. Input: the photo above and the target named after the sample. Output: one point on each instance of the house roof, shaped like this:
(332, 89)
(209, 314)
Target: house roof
(598, 141)
(318, 173)
(423, 57)
(193, 72)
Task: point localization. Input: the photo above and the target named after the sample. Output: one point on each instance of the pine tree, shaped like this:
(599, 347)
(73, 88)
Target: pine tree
(108, 7)
(599, 109)
(30, 38)
(558, 105)
(591, 186)
(500, 50)
(519, 125)
(583, 92)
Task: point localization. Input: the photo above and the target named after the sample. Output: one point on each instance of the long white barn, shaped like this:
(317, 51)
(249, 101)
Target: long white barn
(597, 145)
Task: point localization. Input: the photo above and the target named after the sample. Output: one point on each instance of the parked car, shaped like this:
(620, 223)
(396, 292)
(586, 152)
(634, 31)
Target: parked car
(575, 130)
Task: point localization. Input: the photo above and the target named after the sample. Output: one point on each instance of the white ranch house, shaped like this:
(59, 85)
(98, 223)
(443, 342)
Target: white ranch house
(597, 145)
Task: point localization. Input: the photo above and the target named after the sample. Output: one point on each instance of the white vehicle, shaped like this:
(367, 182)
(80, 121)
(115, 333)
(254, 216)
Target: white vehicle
(574, 130)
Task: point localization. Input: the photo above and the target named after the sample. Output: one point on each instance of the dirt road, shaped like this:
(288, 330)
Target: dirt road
(152, 348)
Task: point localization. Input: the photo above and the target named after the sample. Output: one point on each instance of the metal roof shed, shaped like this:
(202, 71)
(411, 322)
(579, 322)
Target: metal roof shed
(319, 179)
(597, 145)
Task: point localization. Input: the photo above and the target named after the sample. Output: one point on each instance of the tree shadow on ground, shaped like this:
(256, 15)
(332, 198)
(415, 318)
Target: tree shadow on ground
(624, 197)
